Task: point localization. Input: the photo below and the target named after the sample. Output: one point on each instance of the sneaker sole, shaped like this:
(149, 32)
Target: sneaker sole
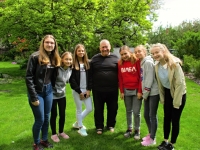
(82, 134)
(152, 144)
(136, 138)
(127, 136)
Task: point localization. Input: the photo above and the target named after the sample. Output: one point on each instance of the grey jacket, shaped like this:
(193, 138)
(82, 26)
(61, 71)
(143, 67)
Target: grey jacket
(149, 82)
(60, 82)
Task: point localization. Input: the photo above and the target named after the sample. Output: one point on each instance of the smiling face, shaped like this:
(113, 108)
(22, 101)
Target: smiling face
(67, 60)
(140, 53)
(105, 48)
(49, 44)
(157, 53)
(125, 55)
(80, 52)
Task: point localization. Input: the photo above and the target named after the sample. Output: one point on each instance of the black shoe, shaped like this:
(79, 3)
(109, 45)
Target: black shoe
(37, 147)
(163, 144)
(168, 147)
(137, 134)
(46, 144)
(128, 133)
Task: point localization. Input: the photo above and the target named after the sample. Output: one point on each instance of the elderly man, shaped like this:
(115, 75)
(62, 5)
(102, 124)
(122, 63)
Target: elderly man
(105, 86)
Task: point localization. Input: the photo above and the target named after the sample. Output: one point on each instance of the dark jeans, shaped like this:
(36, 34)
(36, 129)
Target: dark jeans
(61, 103)
(41, 113)
(150, 114)
(111, 100)
(172, 116)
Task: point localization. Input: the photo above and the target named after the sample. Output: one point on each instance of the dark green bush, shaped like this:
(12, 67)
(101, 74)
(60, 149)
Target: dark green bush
(197, 70)
(22, 63)
(186, 67)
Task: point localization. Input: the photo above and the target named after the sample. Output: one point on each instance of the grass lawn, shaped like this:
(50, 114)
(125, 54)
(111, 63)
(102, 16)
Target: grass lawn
(16, 121)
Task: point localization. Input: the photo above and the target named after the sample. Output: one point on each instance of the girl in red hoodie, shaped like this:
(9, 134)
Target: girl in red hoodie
(130, 89)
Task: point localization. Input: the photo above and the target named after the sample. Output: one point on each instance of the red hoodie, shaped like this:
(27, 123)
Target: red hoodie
(129, 76)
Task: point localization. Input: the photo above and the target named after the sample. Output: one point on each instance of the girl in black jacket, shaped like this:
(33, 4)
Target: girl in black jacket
(40, 67)
(81, 85)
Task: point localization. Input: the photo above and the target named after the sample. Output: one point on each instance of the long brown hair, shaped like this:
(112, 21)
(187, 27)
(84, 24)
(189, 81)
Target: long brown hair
(133, 58)
(85, 58)
(44, 58)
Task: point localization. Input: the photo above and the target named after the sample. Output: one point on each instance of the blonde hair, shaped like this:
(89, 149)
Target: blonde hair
(143, 48)
(64, 54)
(85, 58)
(170, 59)
(133, 58)
(44, 58)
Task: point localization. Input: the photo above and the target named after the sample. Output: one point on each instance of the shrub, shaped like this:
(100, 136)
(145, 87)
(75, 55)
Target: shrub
(186, 67)
(22, 63)
(189, 63)
(197, 70)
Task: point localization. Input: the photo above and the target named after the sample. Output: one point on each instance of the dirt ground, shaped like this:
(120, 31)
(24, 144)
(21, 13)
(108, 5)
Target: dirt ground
(192, 77)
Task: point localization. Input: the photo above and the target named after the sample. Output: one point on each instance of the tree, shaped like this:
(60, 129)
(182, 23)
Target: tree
(184, 38)
(72, 22)
(189, 44)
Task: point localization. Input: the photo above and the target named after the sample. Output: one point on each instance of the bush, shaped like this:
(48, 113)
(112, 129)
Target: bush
(186, 67)
(22, 63)
(189, 63)
(197, 70)
(5, 58)
(11, 54)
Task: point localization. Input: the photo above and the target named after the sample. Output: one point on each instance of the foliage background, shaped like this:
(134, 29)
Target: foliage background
(24, 23)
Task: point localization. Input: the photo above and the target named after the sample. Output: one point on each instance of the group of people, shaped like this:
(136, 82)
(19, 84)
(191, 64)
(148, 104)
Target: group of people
(134, 75)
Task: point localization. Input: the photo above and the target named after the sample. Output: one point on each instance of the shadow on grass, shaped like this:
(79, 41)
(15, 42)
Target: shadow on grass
(3, 146)
(106, 141)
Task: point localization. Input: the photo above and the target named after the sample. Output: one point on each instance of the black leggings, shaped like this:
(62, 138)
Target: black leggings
(61, 107)
(172, 116)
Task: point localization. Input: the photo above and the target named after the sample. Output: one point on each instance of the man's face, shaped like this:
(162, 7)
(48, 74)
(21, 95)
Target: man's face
(105, 48)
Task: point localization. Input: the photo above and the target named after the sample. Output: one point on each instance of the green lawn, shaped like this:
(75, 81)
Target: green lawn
(16, 121)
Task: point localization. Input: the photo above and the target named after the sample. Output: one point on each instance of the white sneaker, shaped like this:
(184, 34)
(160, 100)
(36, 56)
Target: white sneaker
(82, 132)
(75, 125)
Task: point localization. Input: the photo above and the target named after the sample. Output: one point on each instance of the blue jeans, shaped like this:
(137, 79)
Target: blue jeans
(150, 114)
(42, 113)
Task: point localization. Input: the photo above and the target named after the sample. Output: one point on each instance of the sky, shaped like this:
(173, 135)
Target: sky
(173, 12)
